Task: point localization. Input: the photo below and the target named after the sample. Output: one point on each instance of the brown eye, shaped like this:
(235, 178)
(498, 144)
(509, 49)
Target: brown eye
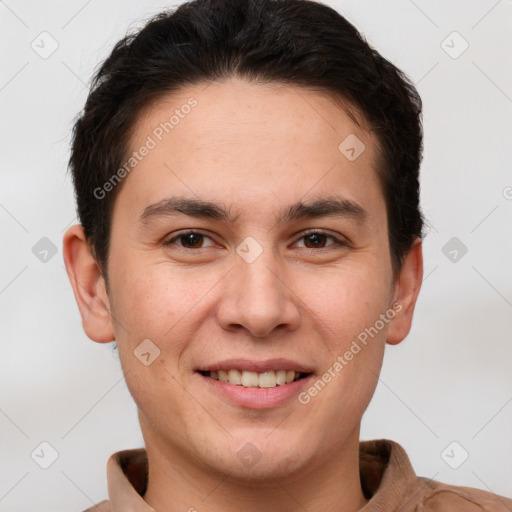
(315, 240)
(318, 240)
(190, 240)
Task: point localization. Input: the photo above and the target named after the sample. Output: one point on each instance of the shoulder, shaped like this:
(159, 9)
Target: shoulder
(439, 497)
(102, 506)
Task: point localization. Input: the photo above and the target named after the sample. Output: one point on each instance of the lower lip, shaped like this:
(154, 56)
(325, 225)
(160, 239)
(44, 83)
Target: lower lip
(257, 398)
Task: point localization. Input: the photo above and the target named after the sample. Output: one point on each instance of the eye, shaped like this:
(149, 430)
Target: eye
(315, 239)
(190, 240)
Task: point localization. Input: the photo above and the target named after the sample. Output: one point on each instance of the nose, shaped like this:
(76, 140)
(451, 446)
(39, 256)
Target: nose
(259, 298)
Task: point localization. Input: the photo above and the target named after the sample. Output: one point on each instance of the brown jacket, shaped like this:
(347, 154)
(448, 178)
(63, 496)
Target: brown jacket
(387, 477)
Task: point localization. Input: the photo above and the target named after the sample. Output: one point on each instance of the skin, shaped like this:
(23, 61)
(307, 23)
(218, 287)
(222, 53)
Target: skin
(254, 148)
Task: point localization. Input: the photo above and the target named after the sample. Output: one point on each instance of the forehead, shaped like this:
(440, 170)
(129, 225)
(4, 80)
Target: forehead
(244, 143)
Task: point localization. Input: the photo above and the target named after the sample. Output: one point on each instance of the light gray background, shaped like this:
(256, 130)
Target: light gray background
(450, 380)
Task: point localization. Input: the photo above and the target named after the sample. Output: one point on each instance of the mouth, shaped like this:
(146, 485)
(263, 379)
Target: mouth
(256, 385)
(252, 379)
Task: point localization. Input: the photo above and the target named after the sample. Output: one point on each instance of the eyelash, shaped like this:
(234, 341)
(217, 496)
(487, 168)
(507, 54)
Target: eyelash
(338, 241)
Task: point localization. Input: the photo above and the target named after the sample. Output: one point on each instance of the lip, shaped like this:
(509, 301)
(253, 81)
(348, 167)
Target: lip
(257, 366)
(256, 398)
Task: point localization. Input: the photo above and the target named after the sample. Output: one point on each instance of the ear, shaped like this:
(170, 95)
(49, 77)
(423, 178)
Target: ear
(88, 286)
(407, 288)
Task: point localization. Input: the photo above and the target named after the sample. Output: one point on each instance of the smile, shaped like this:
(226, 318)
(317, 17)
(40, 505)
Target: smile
(249, 379)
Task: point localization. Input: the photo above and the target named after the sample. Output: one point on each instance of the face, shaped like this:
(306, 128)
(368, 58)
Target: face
(246, 239)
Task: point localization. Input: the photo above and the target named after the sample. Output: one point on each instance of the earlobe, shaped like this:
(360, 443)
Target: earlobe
(88, 286)
(407, 289)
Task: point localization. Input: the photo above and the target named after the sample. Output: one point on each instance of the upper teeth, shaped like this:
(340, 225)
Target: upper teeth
(244, 378)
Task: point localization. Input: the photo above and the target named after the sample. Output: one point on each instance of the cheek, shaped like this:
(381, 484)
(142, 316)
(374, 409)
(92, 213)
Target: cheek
(353, 337)
(347, 300)
(151, 303)
(159, 302)
(144, 308)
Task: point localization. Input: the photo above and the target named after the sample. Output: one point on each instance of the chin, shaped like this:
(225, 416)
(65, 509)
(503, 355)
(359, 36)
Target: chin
(260, 458)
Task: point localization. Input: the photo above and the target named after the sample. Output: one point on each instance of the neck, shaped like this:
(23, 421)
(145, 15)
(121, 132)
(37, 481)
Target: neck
(176, 483)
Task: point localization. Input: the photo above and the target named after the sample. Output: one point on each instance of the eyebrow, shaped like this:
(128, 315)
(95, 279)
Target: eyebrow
(197, 208)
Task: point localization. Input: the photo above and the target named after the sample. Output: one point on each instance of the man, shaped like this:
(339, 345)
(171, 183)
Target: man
(246, 174)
